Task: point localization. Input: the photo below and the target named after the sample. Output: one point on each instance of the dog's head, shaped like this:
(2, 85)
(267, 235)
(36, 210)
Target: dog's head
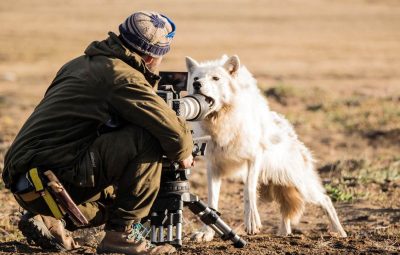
(215, 80)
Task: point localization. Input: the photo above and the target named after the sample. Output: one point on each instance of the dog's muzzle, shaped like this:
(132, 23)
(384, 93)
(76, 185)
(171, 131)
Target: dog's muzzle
(209, 100)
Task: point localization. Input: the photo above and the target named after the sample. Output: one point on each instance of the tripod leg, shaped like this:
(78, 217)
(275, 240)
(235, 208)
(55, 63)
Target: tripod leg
(161, 234)
(169, 233)
(211, 218)
(153, 235)
(178, 229)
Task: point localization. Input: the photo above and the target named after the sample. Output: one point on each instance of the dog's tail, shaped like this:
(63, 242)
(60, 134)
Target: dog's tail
(290, 200)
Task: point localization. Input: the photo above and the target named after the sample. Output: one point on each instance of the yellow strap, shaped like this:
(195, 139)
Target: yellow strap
(33, 173)
(48, 198)
(52, 205)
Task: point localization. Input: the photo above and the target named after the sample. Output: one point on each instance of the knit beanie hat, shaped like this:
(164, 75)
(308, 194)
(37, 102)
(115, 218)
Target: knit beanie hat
(148, 32)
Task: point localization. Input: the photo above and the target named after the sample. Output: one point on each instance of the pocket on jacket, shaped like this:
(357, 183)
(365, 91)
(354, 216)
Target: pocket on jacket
(86, 168)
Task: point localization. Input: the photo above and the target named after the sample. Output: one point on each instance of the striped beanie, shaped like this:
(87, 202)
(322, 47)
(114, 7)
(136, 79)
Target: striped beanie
(148, 32)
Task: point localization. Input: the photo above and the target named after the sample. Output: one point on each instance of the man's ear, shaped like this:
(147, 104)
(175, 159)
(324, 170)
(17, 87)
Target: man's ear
(232, 65)
(191, 64)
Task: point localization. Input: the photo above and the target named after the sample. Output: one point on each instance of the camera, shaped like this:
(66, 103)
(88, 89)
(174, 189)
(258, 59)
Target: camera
(166, 214)
(171, 88)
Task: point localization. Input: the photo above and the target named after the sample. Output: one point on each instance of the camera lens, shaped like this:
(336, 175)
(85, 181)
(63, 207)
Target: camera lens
(192, 107)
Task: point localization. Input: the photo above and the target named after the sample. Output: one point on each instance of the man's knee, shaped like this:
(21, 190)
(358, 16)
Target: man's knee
(109, 155)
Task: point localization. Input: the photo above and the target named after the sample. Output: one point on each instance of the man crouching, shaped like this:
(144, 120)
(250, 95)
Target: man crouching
(102, 130)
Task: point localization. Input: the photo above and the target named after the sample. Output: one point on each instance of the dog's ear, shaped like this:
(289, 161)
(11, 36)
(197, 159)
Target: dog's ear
(232, 65)
(191, 64)
(224, 58)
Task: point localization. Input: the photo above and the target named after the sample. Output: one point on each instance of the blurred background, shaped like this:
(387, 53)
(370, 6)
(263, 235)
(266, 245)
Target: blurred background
(331, 66)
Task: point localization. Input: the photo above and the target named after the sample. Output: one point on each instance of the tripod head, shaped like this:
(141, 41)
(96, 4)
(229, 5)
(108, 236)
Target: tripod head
(166, 214)
(171, 171)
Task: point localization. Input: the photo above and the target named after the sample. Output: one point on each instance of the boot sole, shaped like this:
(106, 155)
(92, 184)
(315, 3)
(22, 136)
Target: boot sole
(35, 231)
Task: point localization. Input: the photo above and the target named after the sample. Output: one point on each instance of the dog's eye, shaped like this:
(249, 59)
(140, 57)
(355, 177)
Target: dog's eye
(195, 78)
(215, 78)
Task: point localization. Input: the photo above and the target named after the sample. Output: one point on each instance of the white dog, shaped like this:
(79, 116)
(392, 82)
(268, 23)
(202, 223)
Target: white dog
(249, 139)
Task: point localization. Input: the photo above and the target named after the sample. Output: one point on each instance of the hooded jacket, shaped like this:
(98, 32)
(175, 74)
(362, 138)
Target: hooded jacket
(86, 92)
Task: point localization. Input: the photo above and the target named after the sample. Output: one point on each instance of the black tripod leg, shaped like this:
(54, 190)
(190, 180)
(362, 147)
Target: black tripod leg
(211, 218)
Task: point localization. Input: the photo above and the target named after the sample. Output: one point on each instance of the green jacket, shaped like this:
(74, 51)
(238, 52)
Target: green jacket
(109, 79)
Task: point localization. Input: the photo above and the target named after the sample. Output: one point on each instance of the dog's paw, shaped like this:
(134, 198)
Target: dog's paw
(253, 224)
(283, 233)
(205, 234)
(252, 229)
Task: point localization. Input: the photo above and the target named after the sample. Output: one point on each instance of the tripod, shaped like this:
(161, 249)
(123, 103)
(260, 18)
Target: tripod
(166, 216)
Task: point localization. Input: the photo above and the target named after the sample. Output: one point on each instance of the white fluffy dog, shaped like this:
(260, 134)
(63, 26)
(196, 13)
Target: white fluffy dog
(249, 139)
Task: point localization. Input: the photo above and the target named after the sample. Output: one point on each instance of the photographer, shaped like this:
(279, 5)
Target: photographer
(102, 130)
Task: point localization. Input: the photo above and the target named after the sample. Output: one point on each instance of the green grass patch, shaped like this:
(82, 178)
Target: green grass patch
(380, 173)
(363, 115)
(352, 179)
(338, 193)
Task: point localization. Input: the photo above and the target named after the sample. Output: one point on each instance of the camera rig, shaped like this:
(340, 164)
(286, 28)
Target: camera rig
(191, 107)
(166, 215)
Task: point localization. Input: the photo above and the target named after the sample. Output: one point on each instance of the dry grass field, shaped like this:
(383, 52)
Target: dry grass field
(331, 66)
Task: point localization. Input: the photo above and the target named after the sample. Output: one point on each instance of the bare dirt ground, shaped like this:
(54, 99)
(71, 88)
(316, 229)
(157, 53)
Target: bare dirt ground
(331, 66)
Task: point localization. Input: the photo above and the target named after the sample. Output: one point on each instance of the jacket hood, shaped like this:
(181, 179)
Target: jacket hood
(114, 48)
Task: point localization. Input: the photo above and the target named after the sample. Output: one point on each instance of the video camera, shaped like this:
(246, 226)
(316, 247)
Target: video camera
(171, 87)
(166, 214)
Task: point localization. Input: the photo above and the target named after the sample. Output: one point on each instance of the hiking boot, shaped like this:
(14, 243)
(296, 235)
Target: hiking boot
(131, 242)
(46, 232)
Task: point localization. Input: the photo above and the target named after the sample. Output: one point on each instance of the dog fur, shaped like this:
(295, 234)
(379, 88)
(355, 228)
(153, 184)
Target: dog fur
(250, 140)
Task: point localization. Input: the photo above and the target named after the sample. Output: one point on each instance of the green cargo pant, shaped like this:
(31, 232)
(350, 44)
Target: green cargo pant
(127, 170)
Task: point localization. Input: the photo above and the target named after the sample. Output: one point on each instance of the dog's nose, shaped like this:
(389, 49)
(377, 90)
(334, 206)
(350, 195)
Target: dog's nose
(196, 85)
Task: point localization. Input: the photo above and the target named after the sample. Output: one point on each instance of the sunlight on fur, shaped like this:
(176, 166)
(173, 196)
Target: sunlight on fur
(249, 139)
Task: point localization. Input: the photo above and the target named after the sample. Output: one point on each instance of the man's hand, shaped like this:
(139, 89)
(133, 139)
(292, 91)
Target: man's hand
(187, 162)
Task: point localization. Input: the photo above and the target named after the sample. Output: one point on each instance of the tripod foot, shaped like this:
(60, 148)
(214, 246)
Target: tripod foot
(212, 219)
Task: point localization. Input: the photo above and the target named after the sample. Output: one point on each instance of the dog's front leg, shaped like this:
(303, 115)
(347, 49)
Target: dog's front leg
(251, 216)
(214, 184)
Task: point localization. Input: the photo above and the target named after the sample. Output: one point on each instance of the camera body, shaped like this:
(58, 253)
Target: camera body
(172, 87)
